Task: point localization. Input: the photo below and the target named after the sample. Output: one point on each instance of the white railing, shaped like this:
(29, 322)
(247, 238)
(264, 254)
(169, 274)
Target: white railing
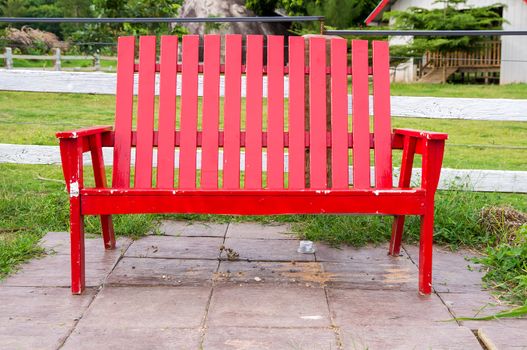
(57, 58)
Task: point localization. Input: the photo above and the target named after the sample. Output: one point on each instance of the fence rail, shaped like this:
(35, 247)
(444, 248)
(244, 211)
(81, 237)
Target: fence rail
(57, 59)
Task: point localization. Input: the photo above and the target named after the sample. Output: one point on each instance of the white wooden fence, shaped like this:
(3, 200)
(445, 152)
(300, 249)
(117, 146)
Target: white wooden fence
(470, 179)
(57, 58)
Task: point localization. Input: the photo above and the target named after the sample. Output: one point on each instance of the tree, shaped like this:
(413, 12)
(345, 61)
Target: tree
(337, 13)
(453, 16)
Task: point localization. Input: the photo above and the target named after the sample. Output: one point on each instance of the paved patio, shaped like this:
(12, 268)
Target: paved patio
(178, 290)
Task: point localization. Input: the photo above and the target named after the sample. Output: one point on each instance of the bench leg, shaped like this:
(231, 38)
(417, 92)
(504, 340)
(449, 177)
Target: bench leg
(77, 251)
(425, 251)
(397, 235)
(107, 231)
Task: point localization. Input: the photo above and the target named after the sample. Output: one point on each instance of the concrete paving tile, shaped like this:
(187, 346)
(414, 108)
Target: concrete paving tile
(263, 272)
(396, 273)
(356, 307)
(452, 271)
(111, 337)
(267, 250)
(504, 334)
(253, 230)
(268, 306)
(223, 338)
(159, 272)
(473, 304)
(192, 228)
(59, 243)
(39, 318)
(53, 270)
(176, 247)
(345, 253)
(146, 308)
(403, 338)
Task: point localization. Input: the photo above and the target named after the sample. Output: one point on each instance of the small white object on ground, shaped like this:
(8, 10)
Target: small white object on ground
(306, 247)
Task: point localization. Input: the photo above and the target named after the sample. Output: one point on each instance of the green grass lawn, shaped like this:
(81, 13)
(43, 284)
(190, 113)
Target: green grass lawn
(33, 118)
(515, 91)
(33, 200)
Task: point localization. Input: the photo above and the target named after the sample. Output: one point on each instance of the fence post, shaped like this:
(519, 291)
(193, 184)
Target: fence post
(57, 58)
(8, 58)
(97, 61)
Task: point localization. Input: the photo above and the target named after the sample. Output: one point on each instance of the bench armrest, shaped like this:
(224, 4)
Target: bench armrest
(73, 134)
(428, 135)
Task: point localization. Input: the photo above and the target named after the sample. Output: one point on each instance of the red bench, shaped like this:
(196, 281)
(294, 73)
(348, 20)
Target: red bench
(317, 179)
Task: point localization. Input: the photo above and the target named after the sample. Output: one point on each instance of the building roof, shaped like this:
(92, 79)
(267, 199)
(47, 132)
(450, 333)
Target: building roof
(376, 14)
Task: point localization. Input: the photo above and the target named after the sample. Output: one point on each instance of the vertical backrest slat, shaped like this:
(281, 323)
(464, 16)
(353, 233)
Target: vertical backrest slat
(167, 111)
(145, 112)
(232, 111)
(123, 112)
(189, 112)
(317, 113)
(253, 113)
(339, 114)
(296, 113)
(360, 110)
(211, 112)
(275, 112)
(381, 119)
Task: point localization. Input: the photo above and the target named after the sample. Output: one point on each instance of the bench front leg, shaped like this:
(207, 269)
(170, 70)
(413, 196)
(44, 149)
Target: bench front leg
(433, 151)
(71, 155)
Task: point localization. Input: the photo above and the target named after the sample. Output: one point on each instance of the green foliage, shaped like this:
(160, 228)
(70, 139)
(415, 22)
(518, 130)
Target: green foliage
(455, 15)
(97, 33)
(338, 13)
(507, 267)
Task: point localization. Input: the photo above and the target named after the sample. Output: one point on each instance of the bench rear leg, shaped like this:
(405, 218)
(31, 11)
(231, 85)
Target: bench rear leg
(100, 182)
(107, 231)
(404, 182)
(397, 235)
(425, 251)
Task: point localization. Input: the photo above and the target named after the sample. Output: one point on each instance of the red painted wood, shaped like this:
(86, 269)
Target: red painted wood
(258, 202)
(83, 132)
(431, 170)
(404, 182)
(253, 103)
(123, 112)
(120, 199)
(381, 119)
(232, 110)
(145, 112)
(71, 155)
(189, 112)
(360, 110)
(211, 112)
(429, 135)
(167, 112)
(297, 126)
(275, 112)
(317, 113)
(339, 114)
(99, 174)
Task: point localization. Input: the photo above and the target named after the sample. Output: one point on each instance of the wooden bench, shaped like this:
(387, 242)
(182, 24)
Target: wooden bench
(312, 177)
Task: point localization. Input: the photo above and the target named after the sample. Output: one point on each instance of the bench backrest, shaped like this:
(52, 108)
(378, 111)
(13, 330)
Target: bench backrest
(310, 127)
